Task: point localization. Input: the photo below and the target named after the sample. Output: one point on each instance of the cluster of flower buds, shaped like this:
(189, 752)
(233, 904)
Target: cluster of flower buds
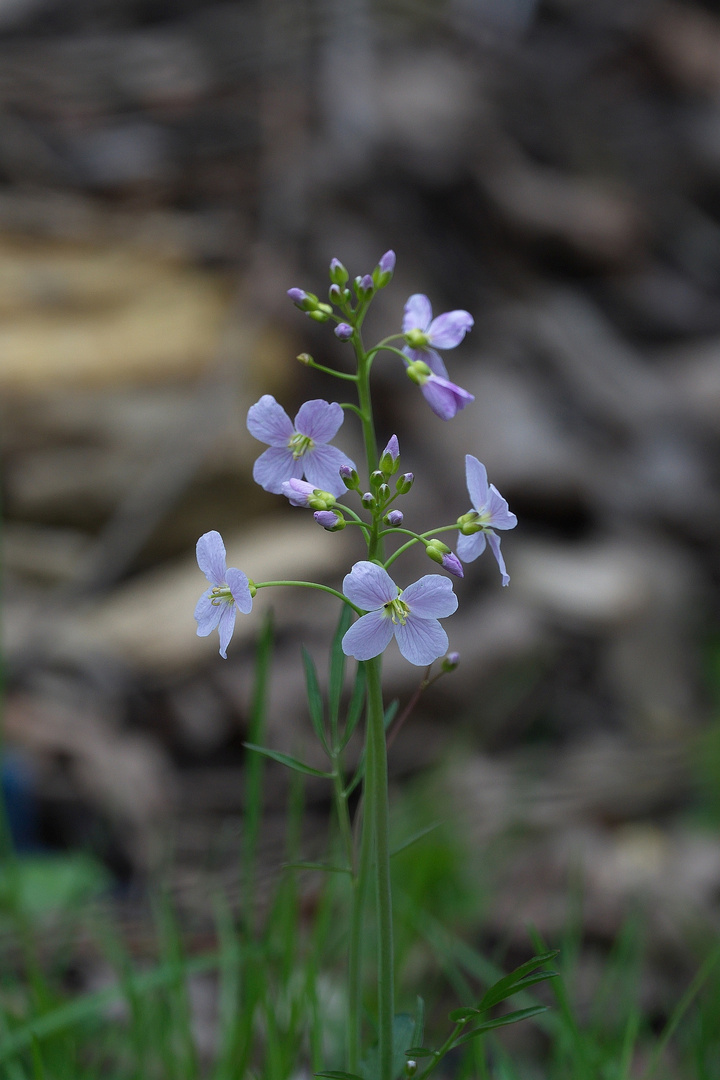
(340, 296)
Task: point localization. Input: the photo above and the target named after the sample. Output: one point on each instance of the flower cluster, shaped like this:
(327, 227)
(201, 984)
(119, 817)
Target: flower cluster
(302, 464)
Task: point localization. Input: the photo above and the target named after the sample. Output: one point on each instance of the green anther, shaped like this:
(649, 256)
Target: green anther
(300, 444)
(398, 611)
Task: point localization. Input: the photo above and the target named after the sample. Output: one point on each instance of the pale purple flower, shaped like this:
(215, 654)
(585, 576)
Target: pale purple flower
(411, 615)
(298, 450)
(395, 518)
(490, 511)
(300, 493)
(343, 331)
(424, 335)
(215, 609)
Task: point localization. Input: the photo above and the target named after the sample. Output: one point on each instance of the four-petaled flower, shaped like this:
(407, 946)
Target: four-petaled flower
(424, 335)
(216, 608)
(298, 450)
(411, 614)
(490, 511)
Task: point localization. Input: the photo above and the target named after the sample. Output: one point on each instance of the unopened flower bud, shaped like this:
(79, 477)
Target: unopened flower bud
(343, 331)
(390, 457)
(335, 294)
(404, 483)
(364, 287)
(330, 520)
(410, 1067)
(383, 272)
(304, 300)
(436, 550)
(338, 273)
(383, 493)
(452, 564)
(376, 479)
(305, 358)
(451, 661)
(394, 518)
(417, 370)
(252, 587)
(349, 477)
(368, 500)
(318, 316)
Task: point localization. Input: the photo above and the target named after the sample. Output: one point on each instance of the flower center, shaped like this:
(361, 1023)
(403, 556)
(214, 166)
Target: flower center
(221, 595)
(300, 444)
(473, 522)
(398, 611)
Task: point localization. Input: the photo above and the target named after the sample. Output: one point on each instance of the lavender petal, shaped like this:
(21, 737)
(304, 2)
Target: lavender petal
(417, 314)
(477, 482)
(494, 542)
(431, 597)
(322, 468)
(369, 636)
(269, 422)
(226, 627)
(207, 615)
(274, 467)
(501, 517)
(421, 640)
(240, 588)
(449, 329)
(440, 398)
(369, 586)
(319, 420)
(211, 557)
(470, 548)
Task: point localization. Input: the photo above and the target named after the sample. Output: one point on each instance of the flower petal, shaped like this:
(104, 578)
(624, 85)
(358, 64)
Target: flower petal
(449, 329)
(369, 586)
(417, 314)
(274, 467)
(207, 614)
(477, 484)
(501, 517)
(297, 491)
(494, 542)
(211, 557)
(445, 398)
(240, 589)
(319, 420)
(269, 422)
(369, 636)
(322, 468)
(421, 640)
(431, 597)
(469, 548)
(226, 627)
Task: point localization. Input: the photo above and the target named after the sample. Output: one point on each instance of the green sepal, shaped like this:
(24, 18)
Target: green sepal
(291, 762)
(500, 1021)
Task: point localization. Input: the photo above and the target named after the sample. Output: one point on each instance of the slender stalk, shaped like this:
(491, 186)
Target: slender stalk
(376, 802)
(356, 942)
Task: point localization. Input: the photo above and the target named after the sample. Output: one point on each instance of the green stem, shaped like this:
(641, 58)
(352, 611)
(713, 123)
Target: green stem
(310, 585)
(376, 803)
(355, 947)
(418, 538)
(330, 371)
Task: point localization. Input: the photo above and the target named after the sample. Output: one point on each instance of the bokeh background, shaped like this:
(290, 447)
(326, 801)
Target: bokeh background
(167, 171)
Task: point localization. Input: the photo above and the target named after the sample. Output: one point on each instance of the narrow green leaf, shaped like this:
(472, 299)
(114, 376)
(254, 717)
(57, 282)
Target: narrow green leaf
(419, 1032)
(500, 1021)
(355, 707)
(315, 701)
(415, 837)
(38, 1066)
(337, 665)
(461, 1016)
(285, 759)
(390, 713)
(419, 1052)
(523, 984)
(327, 867)
(499, 991)
(403, 1033)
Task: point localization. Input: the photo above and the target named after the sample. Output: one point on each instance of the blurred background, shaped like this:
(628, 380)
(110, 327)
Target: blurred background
(167, 171)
